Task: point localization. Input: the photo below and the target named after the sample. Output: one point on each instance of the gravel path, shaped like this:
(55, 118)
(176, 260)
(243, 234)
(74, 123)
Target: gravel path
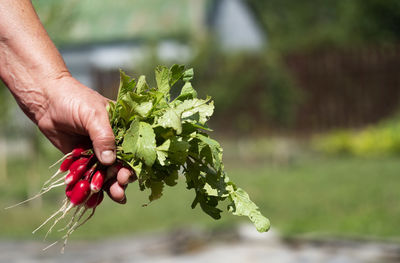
(243, 245)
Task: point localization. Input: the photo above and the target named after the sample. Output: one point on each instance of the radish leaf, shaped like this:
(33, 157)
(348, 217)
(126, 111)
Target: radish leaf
(140, 140)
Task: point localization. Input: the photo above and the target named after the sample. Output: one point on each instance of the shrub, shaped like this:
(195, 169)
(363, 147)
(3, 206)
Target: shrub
(380, 139)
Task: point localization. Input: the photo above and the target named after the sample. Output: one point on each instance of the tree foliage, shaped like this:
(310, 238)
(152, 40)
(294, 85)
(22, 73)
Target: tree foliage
(295, 25)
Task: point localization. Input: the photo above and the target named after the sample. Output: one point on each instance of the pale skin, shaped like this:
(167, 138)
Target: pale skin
(68, 113)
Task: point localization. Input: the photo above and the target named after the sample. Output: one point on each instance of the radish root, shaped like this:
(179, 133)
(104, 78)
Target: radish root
(52, 216)
(64, 212)
(60, 160)
(36, 196)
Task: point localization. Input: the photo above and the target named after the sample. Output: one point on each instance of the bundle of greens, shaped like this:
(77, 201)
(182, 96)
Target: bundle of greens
(160, 137)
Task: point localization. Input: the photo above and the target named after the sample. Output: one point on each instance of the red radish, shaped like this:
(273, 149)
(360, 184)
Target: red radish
(68, 190)
(89, 172)
(83, 190)
(77, 152)
(80, 161)
(80, 192)
(94, 200)
(80, 170)
(77, 170)
(72, 178)
(66, 164)
(97, 181)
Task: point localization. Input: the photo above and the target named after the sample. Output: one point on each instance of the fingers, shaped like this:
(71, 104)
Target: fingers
(119, 178)
(102, 136)
(117, 193)
(125, 176)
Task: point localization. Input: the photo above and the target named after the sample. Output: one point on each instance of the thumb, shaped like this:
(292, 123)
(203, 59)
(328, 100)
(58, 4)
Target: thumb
(103, 139)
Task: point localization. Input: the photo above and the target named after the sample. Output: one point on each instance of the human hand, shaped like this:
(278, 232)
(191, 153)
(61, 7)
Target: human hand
(75, 115)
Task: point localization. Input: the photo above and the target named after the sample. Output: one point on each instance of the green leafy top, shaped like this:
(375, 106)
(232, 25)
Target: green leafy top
(158, 137)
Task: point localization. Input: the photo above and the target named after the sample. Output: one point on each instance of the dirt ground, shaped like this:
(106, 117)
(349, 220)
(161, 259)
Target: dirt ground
(241, 245)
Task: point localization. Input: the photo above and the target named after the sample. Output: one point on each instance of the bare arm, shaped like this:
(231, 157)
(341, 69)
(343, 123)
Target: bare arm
(27, 56)
(68, 113)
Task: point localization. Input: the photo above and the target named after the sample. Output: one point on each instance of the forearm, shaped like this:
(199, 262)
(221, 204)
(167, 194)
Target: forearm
(29, 61)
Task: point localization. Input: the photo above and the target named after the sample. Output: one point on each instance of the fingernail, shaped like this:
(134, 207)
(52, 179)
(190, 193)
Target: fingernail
(107, 156)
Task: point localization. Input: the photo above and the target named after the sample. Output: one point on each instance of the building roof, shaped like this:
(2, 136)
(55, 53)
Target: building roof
(89, 21)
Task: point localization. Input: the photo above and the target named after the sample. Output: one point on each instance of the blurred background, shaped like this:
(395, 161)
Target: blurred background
(307, 97)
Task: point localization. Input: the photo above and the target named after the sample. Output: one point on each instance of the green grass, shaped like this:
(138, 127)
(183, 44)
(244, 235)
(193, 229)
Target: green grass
(328, 196)
(323, 196)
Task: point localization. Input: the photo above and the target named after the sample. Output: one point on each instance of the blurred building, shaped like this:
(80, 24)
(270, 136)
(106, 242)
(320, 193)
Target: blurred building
(235, 26)
(106, 35)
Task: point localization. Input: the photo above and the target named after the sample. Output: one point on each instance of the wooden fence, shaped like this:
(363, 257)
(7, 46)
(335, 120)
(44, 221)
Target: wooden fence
(346, 88)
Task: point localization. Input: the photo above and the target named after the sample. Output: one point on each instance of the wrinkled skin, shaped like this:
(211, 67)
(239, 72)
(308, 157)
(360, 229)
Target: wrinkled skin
(73, 112)
(68, 113)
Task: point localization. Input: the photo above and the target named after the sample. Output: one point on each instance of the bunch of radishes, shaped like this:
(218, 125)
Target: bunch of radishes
(84, 178)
